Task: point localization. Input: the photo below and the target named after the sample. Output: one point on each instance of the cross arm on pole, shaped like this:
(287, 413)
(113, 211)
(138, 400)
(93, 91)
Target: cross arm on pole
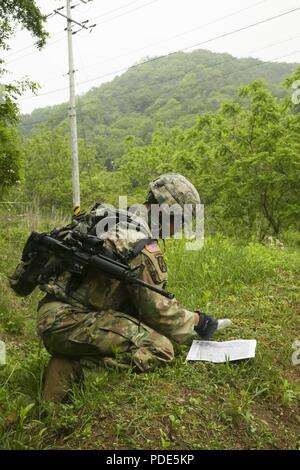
(71, 19)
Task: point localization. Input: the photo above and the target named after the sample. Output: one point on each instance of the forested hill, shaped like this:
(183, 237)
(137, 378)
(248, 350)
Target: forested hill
(172, 90)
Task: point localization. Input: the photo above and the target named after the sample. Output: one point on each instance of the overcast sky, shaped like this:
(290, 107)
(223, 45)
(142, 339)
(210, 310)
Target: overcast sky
(129, 30)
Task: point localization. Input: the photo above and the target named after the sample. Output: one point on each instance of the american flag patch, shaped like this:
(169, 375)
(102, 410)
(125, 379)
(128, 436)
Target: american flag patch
(153, 248)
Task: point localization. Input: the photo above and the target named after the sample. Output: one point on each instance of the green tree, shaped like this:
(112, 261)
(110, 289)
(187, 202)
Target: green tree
(48, 170)
(11, 153)
(244, 160)
(12, 13)
(23, 12)
(250, 162)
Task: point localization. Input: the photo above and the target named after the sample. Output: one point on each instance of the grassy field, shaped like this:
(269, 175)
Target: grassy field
(252, 404)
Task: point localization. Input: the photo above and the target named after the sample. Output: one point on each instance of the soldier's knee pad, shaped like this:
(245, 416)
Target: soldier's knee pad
(162, 346)
(168, 348)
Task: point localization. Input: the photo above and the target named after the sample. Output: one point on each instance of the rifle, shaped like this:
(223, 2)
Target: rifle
(75, 255)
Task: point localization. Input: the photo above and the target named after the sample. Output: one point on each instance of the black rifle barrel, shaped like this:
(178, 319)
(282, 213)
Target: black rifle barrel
(111, 267)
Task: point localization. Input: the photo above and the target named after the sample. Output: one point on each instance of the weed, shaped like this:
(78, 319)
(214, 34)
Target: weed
(248, 404)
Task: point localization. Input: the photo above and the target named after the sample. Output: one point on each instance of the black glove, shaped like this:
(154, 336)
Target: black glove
(207, 325)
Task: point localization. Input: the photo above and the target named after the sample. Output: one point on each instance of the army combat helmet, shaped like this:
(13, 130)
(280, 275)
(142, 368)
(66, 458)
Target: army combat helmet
(173, 188)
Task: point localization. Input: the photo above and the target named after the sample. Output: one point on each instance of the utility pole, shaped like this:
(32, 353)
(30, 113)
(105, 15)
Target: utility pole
(72, 109)
(73, 117)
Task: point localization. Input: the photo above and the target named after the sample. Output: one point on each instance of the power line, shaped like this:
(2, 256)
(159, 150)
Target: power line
(210, 66)
(120, 15)
(177, 35)
(73, 117)
(220, 19)
(142, 6)
(58, 33)
(29, 47)
(88, 4)
(153, 59)
(62, 32)
(71, 20)
(252, 51)
(223, 35)
(227, 74)
(117, 16)
(137, 65)
(85, 1)
(244, 28)
(168, 39)
(125, 13)
(34, 52)
(116, 9)
(81, 114)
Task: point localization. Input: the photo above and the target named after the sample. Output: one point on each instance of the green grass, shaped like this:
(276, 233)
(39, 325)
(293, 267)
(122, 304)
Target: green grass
(251, 404)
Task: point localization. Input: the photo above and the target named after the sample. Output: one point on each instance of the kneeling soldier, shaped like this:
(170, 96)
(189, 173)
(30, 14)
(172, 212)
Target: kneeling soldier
(106, 321)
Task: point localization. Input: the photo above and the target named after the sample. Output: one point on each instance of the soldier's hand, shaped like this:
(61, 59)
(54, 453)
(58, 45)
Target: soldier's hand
(206, 325)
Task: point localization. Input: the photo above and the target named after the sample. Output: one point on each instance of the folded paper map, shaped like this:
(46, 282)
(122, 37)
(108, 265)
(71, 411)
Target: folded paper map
(215, 351)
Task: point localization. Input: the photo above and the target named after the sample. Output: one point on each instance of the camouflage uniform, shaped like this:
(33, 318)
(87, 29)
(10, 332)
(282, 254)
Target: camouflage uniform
(122, 325)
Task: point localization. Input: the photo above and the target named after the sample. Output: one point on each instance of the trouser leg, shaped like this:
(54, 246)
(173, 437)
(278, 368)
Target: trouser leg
(114, 336)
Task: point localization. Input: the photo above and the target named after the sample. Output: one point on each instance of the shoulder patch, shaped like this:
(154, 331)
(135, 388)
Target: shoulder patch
(155, 264)
(161, 263)
(153, 248)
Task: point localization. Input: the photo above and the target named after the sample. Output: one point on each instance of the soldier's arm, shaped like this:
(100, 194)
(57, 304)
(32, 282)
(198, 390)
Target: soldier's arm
(164, 315)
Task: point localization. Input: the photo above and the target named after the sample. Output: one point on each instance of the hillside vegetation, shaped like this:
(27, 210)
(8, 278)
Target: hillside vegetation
(172, 91)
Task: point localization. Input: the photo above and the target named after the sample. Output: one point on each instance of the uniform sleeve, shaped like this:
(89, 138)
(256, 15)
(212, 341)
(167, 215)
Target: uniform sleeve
(164, 315)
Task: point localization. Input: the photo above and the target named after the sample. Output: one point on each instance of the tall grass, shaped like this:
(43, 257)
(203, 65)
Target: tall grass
(249, 404)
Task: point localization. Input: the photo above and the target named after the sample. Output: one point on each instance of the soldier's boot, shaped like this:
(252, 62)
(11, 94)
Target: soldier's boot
(60, 375)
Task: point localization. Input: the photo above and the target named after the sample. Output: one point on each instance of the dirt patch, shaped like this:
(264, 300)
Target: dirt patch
(293, 374)
(281, 422)
(296, 307)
